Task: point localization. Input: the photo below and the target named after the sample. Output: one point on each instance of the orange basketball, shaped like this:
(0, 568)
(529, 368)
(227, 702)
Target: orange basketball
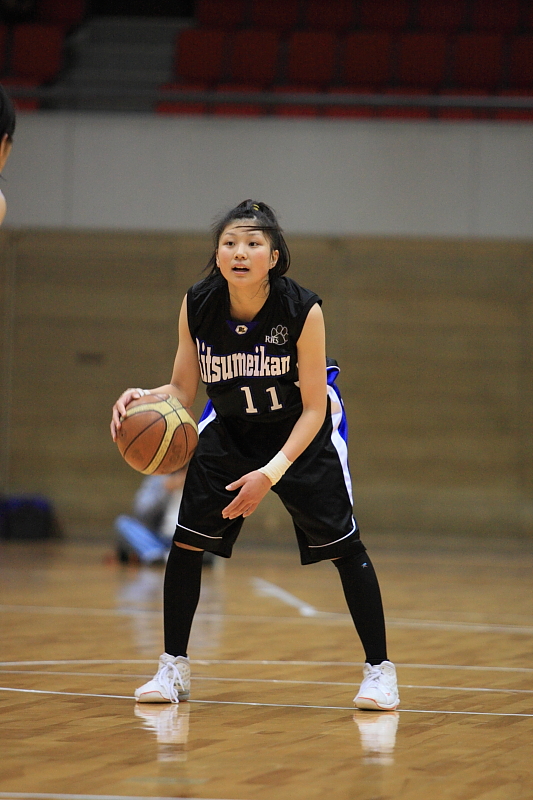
(158, 435)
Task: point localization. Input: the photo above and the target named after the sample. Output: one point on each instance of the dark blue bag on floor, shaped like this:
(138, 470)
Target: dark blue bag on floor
(27, 518)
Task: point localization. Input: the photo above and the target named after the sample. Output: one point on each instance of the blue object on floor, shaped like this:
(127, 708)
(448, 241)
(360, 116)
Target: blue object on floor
(142, 540)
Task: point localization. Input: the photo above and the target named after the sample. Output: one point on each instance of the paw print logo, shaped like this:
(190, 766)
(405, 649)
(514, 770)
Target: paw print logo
(279, 335)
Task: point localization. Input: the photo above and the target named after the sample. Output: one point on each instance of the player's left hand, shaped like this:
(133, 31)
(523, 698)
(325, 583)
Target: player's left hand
(254, 486)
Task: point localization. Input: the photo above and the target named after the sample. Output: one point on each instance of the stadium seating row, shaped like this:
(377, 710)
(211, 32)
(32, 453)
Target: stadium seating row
(31, 54)
(256, 109)
(445, 16)
(268, 58)
(375, 60)
(416, 47)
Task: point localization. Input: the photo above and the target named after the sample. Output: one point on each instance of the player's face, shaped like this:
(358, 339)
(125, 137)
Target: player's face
(245, 255)
(5, 149)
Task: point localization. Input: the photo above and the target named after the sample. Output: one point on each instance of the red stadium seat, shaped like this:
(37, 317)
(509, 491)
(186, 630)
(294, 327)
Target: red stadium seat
(254, 56)
(521, 62)
(288, 110)
(225, 15)
(441, 16)
(385, 15)
(64, 12)
(422, 59)
(25, 104)
(199, 55)
(238, 109)
(180, 106)
(349, 112)
(477, 61)
(337, 15)
(37, 51)
(496, 16)
(311, 57)
(515, 114)
(279, 15)
(457, 114)
(366, 60)
(404, 112)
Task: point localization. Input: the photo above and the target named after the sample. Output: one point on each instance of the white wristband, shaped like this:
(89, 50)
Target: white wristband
(143, 392)
(276, 467)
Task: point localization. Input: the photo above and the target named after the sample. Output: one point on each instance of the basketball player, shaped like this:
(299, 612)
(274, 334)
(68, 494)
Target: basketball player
(256, 339)
(7, 129)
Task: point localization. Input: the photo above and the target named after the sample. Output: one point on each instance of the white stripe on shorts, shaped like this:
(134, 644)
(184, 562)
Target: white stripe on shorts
(339, 443)
(314, 546)
(185, 528)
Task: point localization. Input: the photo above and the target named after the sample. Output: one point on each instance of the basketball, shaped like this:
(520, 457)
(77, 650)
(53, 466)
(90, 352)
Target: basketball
(158, 435)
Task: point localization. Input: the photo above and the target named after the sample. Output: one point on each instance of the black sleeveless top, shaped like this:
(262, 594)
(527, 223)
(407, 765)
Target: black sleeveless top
(250, 368)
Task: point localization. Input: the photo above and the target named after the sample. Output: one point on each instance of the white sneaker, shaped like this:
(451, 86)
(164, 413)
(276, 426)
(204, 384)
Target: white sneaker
(171, 683)
(379, 689)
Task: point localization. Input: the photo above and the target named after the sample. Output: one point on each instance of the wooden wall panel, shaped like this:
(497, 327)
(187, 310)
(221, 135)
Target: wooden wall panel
(434, 339)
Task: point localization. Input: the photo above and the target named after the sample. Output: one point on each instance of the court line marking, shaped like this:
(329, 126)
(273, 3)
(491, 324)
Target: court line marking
(267, 589)
(306, 611)
(263, 662)
(207, 662)
(68, 694)
(94, 612)
(56, 796)
(353, 685)
(271, 705)
(477, 627)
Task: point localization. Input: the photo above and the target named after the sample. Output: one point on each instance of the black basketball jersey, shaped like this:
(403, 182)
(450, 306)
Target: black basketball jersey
(250, 368)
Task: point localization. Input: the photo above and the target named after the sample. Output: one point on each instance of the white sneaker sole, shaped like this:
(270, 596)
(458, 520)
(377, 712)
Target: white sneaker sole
(369, 704)
(156, 697)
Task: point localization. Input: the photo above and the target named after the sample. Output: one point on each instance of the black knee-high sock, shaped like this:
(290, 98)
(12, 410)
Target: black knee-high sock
(181, 592)
(361, 589)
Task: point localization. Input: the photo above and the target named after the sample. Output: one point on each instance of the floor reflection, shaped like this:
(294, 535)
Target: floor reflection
(140, 593)
(170, 724)
(378, 735)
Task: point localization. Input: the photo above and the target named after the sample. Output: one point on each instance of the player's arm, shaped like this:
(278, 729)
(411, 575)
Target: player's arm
(311, 347)
(185, 375)
(3, 207)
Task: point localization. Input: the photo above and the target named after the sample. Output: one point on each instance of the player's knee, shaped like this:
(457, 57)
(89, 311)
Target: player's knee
(188, 547)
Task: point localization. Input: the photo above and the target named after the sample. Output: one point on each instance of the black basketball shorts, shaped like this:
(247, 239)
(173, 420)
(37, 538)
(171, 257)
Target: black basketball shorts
(315, 490)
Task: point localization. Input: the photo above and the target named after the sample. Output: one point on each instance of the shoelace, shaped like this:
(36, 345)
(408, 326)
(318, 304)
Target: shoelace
(372, 679)
(168, 676)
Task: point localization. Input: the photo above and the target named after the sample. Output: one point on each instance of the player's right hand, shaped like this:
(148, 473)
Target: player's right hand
(119, 409)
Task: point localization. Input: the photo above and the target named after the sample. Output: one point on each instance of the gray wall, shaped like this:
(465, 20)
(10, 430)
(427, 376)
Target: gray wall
(434, 338)
(136, 172)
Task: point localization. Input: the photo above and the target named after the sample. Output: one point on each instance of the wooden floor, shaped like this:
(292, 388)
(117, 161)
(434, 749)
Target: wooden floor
(275, 667)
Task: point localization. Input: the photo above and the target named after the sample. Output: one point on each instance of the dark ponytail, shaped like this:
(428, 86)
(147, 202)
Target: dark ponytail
(7, 116)
(262, 218)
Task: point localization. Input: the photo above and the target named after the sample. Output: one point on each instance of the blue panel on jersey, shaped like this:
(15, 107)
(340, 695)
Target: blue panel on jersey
(332, 371)
(332, 375)
(207, 410)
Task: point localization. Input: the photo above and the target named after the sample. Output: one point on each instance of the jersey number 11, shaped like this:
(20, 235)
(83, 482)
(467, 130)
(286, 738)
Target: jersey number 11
(275, 405)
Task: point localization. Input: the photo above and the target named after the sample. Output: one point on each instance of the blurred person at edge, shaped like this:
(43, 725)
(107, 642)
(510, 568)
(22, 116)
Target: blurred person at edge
(7, 129)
